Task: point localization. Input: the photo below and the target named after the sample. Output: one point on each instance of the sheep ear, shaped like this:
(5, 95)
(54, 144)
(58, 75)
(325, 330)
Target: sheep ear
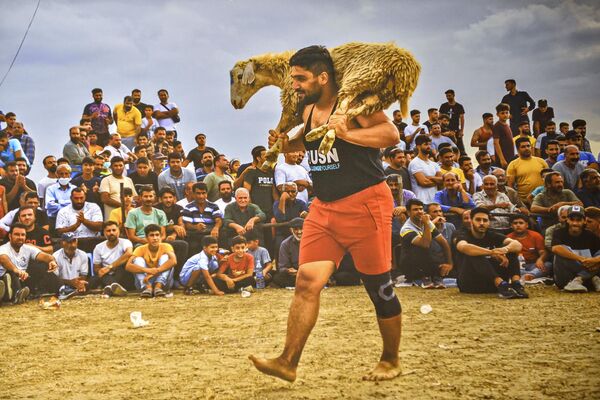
(248, 75)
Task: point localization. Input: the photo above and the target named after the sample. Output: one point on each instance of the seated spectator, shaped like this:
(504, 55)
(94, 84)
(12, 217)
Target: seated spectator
(261, 255)
(218, 175)
(425, 175)
(397, 166)
(592, 220)
(26, 141)
(110, 186)
(58, 195)
(446, 229)
(36, 235)
(524, 172)
(15, 260)
(27, 199)
(562, 222)
(544, 138)
(188, 194)
(417, 234)
(89, 182)
(488, 260)
(119, 215)
(447, 163)
(414, 130)
(472, 182)
(437, 138)
(174, 213)
(286, 209)
(538, 189)
(200, 218)
(143, 175)
(159, 162)
(576, 255)
(289, 252)
(586, 158)
(201, 269)
(589, 194)
(207, 165)
(453, 198)
(555, 196)
(75, 150)
(10, 150)
(116, 148)
(242, 216)
(290, 171)
(511, 193)
(495, 202)
(93, 146)
(15, 184)
(110, 258)
(236, 270)
(50, 165)
(401, 197)
(81, 218)
(225, 196)
(570, 167)
(73, 267)
(484, 163)
(552, 152)
(176, 177)
(537, 263)
(152, 263)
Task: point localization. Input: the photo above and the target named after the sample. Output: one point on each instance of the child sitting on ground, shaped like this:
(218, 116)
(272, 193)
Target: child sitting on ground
(200, 269)
(237, 269)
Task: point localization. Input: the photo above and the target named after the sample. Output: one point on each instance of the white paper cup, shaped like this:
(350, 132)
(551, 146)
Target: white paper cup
(426, 309)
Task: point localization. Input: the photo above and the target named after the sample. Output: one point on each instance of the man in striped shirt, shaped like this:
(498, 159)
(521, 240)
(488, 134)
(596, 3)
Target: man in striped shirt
(201, 218)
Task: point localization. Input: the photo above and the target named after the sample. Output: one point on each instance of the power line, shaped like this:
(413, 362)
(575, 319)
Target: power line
(21, 45)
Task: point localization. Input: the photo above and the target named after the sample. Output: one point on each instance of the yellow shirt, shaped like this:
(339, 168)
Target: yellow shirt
(115, 215)
(127, 121)
(152, 259)
(527, 174)
(94, 148)
(457, 171)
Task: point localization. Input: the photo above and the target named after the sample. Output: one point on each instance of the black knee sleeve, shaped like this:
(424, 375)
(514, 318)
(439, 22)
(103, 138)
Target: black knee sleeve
(381, 292)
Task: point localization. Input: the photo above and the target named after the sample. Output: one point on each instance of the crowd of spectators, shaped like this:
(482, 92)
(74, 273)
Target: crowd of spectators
(128, 206)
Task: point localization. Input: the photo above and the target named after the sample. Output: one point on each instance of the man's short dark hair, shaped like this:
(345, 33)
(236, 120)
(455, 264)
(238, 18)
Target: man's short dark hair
(563, 124)
(550, 123)
(127, 191)
(160, 128)
(522, 140)
(109, 223)
(486, 115)
(445, 150)
(586, 173)
(414, 112)
(502, 107)
(146, 189)
(142, 160)
(316, 59)
(87, 161)
(511, 81)
(252, 235)
(239, 239)
(116, 159)
(150, 106)
(225, 182)
(208, 240)
(31, 195)
(445, 116)
(571, 135)
(578, 123)
(413, 202)
(479, 210)
(127, 98)
(449, 91)
(166, 190)
(136, 91)
(96, 90)
(256, 151)
(10, 114)
(553, 141)
(463, 159)
(198, 135)
(151, 228)
(200, 186)
(549, 176)
(162, 90)
(21, 209)
(142, 134)
(395, 112)
(175, 156)
(429, 111)
(92, 133)
(77, 190)
(433, 204)
(422, 139)
(515, 217)
(480, 154)
(11, 164)
(17, 225)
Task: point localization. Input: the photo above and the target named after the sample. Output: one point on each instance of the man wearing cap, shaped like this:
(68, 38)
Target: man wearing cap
(73, 267)
(576, 255)
(552, 198)
(81, 218)
(289, 252)
(159, 163)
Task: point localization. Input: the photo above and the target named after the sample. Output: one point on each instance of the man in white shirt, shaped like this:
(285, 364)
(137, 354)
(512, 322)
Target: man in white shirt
(116, 148)
(50, 166)
(82, 218)
(290, 171)
(425, 174)
(110, 258)
(165, 112)
(73, 267)
(15, 258)
(414, 129)
(225, 196)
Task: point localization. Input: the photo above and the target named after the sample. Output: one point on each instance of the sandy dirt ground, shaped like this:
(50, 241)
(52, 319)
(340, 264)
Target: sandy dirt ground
(470, 346)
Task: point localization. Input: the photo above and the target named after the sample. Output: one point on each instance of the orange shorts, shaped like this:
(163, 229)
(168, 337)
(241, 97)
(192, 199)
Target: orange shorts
(360, 224)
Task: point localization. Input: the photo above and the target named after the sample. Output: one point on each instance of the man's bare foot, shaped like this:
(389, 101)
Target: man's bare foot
(274, 367)
(383, 371)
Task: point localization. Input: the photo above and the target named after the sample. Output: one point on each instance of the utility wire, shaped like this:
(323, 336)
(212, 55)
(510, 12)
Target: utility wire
(21, 45)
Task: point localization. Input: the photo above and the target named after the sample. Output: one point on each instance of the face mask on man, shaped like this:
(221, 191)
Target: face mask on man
(106, 165)
(64, 181)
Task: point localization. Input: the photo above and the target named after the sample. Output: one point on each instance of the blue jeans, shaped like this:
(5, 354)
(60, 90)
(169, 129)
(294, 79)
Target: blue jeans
(165, 278)
(535, 271)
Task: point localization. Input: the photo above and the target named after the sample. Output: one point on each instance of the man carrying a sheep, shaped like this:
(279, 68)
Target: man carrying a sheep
(351, 213)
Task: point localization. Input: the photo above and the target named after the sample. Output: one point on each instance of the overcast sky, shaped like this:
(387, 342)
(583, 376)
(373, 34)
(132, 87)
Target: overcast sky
(551, 48)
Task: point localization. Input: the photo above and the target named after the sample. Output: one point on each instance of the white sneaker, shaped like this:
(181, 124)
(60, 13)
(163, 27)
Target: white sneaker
(118, 290)
(575, 286)
(596, 283)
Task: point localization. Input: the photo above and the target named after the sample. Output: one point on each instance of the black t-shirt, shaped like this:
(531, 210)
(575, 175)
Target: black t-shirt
(139, 181)
(454, 112)
(403, 172)
(91, 196)
(8, 185)
(516, 103)
(38, 237)
(345, 170)
(242, 168)
(173, 214)
(261, 192)
(542, 118)
(491, 240)
(141, 106)
(587, 240)
(195, 156)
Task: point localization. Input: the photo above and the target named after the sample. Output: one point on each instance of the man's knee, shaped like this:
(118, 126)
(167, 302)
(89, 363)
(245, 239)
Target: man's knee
(381, 292)
(312, 277)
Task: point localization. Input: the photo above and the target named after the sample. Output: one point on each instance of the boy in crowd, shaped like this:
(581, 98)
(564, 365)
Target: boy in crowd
(201, 269)
(260, 255)
(237, 269)
(533, 250)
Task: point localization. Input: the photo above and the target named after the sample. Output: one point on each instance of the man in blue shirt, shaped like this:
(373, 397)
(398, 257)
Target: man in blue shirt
(58, 195)
(453, 198)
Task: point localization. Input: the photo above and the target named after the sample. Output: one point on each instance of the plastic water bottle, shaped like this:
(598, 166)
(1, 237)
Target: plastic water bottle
(260, 278)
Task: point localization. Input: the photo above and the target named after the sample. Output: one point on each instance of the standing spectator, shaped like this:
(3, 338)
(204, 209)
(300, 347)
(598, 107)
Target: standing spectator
(258, 157)
(488, 260)
(425, 175)
(397, 120)
(484, 163)
(143, 175)
(58, 195)
(166, 113)
(15, 184)
(242, 216)
(75, 150)
(110, 186)
(50, 165)
(504, 147)
(484, 133)
(576, 254)
(541, 117)
(495, 202)
(200, 218)
(195, 155)
(524, 173)
(129, 121)
(552, 151)
(81, 218)
(552, 198)
(176, 177)
(520, 104)
(236, 270)
(100, 116)
(149, 123)
(585, 157)
(447, 163)
(533, 251)
(207, 166)
(589, 193)
(10, 118)
(110, 258)
(417, 235)
(456, 112)
(570, 167)
(260, 184)
(432, 117)
(26, 141)
(88, 181)
(544, 138)
(412, 131)
(225, 196)
(453, 198)
(218, 175)
(152, 264)
(136, 95)
(290, 171)
(289, 252)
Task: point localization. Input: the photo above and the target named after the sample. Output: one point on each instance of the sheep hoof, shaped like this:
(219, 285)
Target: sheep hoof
(272, 155)
(316, 133)
(327, 142)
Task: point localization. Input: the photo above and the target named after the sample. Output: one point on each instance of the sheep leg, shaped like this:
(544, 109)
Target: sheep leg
(329, 137)
(272, 154)
(316, 133)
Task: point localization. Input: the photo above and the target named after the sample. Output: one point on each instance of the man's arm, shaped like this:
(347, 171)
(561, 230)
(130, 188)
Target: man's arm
(8, 265)
(47, 259)
(427, 181)
(499, 153)
(375, 130)
(105, 199)
(512, 246)
(170, 263)
(134, 238)
(472, 250)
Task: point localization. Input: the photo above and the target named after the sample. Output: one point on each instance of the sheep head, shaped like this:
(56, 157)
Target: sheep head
(244, 83)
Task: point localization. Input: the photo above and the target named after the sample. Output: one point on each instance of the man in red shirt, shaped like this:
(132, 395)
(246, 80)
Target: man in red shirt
(533, 251)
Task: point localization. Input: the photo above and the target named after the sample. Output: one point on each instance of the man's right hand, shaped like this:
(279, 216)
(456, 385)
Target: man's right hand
(218, 293)
(23, 275)
(230, 283)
